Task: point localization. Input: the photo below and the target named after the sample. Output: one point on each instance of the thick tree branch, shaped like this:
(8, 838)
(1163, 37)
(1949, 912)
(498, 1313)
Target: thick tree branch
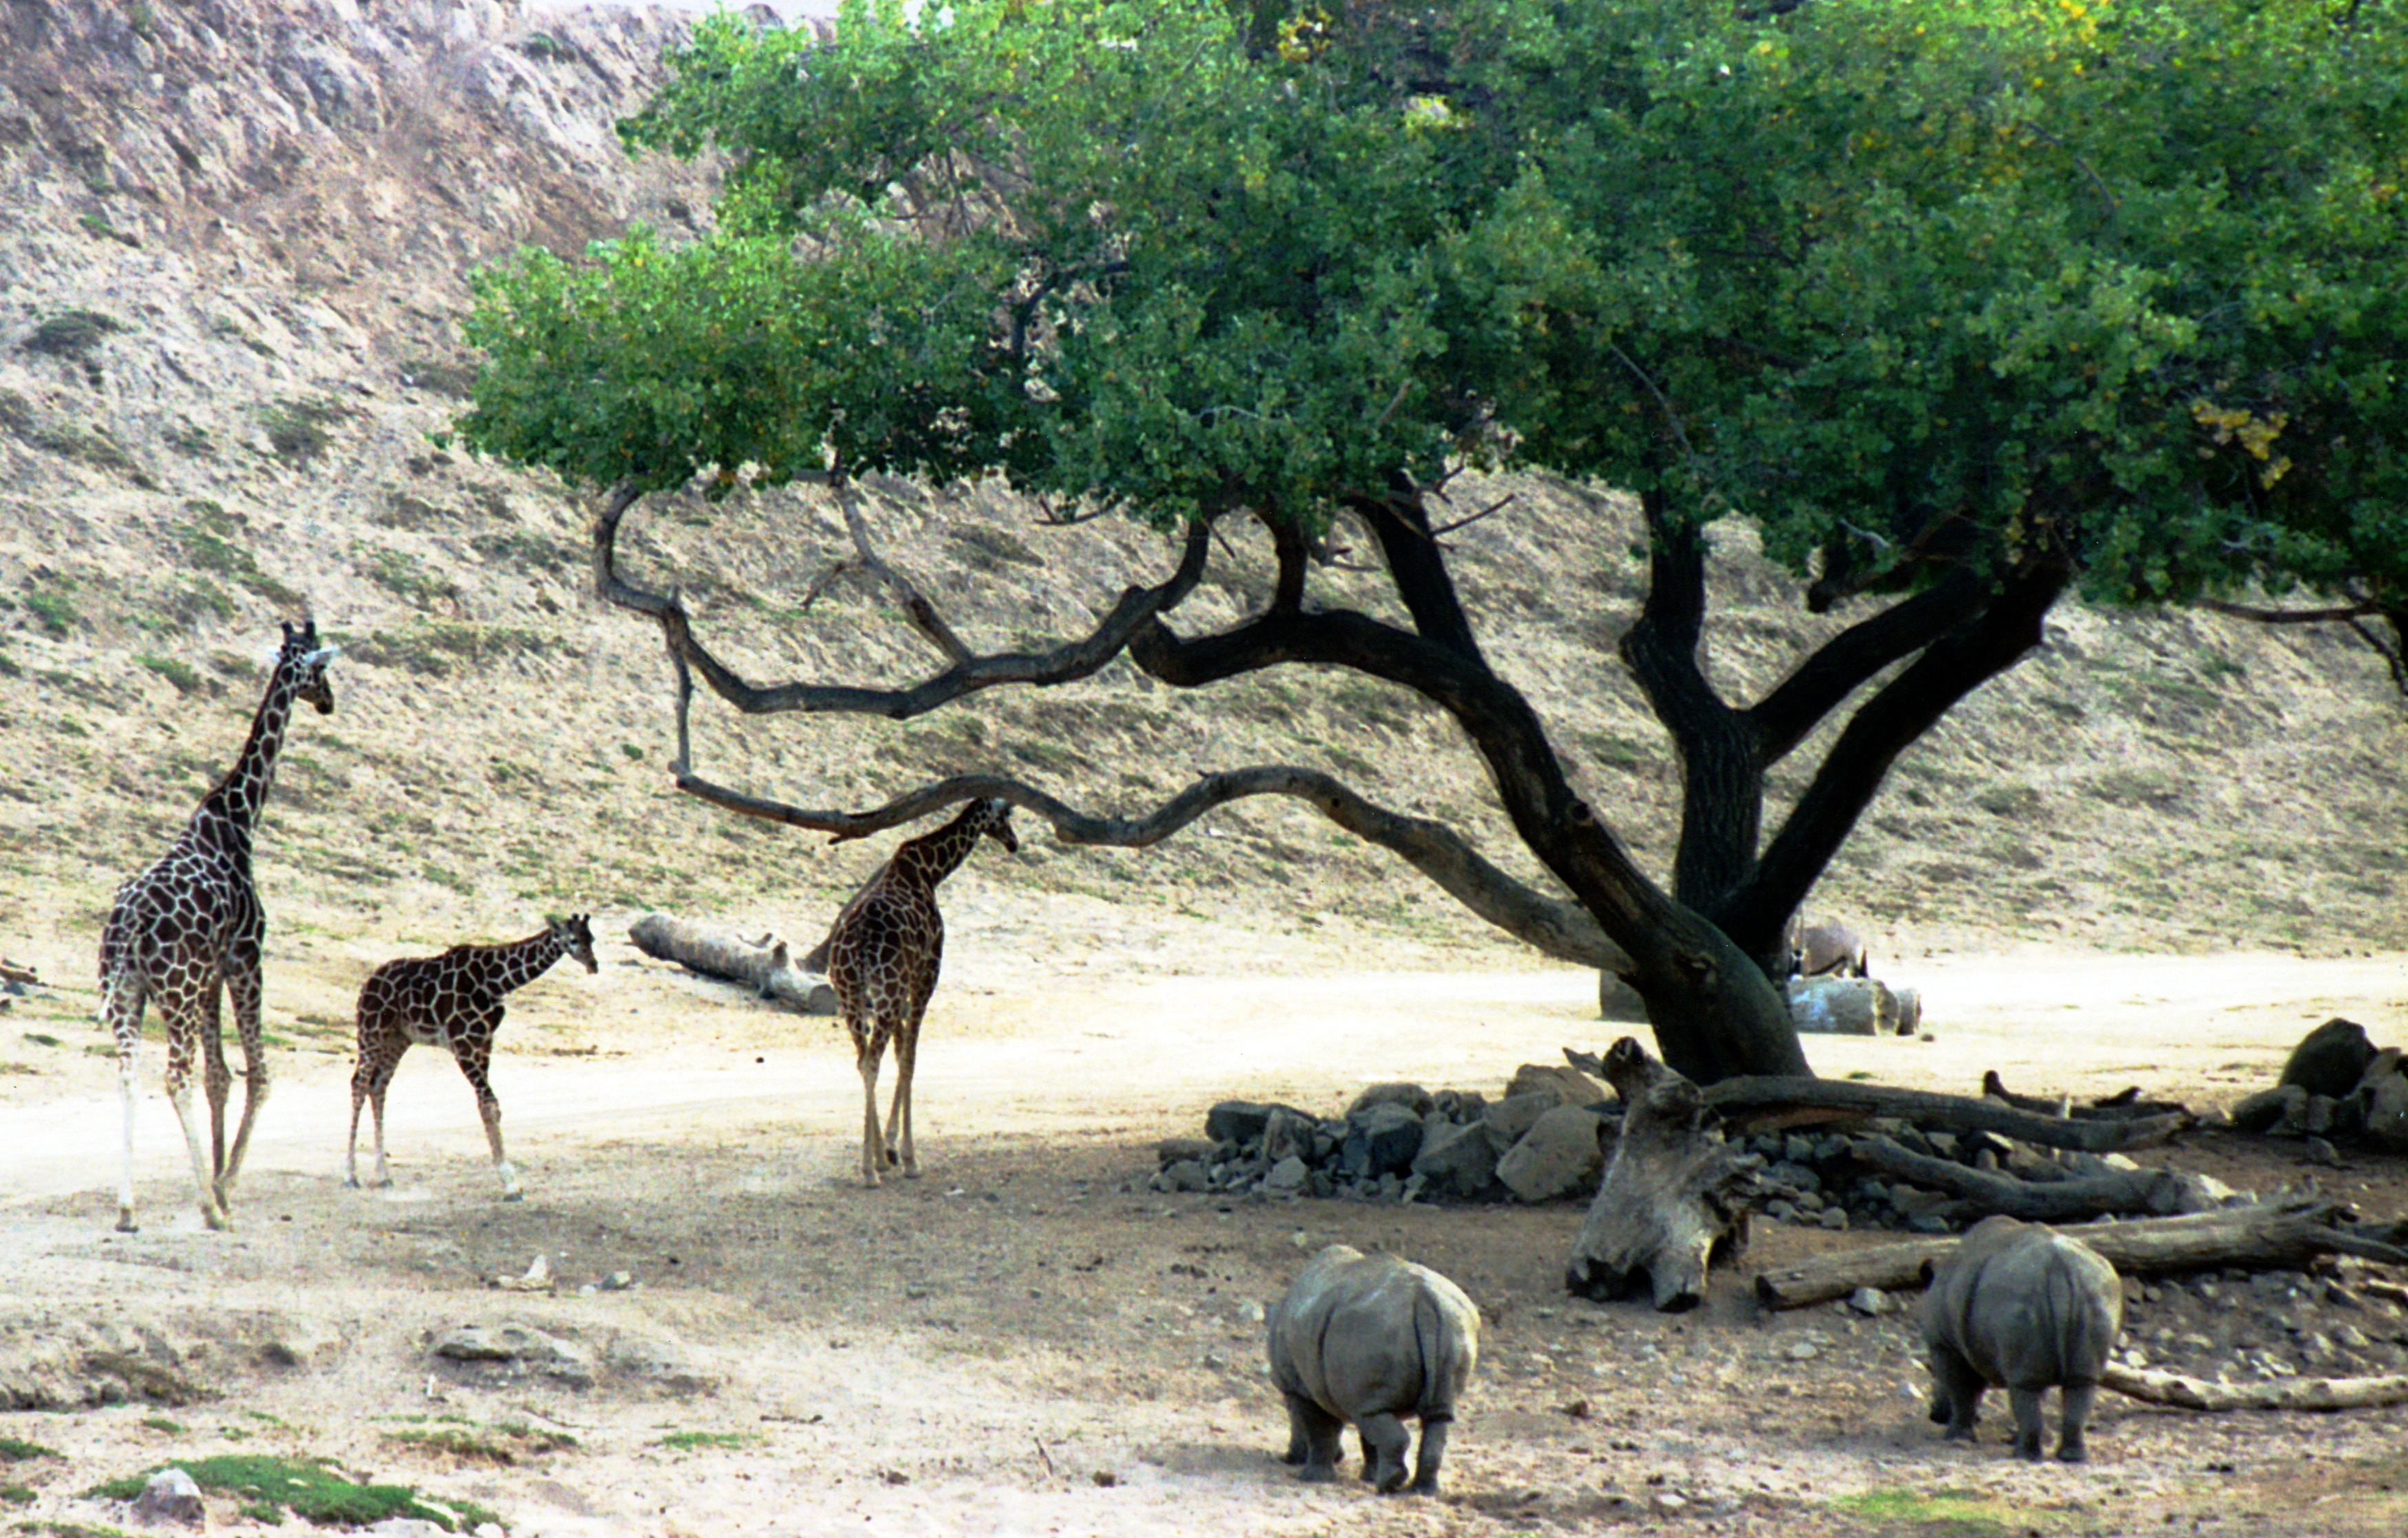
(1561, 929)
(1896, 716)
(1400, 521)
(923, 615)
(1076, 659)
(2257, 615)
(1840, 666)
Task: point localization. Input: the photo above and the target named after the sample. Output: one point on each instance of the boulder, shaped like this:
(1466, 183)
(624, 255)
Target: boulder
(2384, 1094)
(1558, 1156)
(2331, 1059)
(1170, 1151)
(1288, 1134)
(1618, 1000)
(1459, 1161)
(2284, 1104)
(1515, 1115)
(1380, 1140)
(1843, 1006)
(1288, 1177)
(1568, 1085)
(1241, 1121)
(1412, 1097)
(172, 1498)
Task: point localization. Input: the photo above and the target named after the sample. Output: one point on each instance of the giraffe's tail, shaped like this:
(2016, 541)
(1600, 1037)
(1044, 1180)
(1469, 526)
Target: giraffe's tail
(123, 989)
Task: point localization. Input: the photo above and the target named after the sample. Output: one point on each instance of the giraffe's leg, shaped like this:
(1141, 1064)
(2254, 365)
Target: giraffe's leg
(868, 1045)
(382, 1082)
(183, 1029)
(907, 1053)
(216, 1079)
(243, 982)
(373, 1071)
(121, 1007)
(474, 1051)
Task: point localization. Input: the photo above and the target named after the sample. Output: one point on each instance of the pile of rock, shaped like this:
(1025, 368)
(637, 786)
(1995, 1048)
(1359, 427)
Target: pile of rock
(1545, 1139)
(2335, 1089)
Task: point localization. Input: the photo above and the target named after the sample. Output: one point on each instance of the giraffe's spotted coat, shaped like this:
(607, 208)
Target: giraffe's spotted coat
(453, 1000)
(884, 955)
(191, 925)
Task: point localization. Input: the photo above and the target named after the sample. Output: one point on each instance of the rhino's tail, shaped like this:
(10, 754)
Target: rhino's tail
(1443, 1367)
(2079, 1322)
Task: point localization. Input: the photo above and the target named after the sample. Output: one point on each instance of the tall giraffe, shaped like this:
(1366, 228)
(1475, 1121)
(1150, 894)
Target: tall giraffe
(883, 959)
(450, 1000)
(192, 923)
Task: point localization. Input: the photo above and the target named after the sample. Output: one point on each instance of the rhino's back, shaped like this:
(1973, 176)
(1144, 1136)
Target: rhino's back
(1365, 1334)
(2044, 1309)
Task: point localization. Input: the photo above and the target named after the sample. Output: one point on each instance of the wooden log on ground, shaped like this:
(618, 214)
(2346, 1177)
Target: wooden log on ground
(1675, 1199)
(2123, 1105)
(1843, 1006)
(2266, 1236)
(759, 965)
(2108, 1193)
(1749, 1099)
(2154, 1388)
(11, 971)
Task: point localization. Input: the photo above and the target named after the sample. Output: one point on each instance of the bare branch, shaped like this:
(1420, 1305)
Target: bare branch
(1073, 659)
(2290, 616)
(1559, 927)
(923, 615)
(1498, 506)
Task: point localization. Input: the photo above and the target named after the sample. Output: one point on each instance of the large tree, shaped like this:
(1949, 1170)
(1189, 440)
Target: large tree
(1964, 305)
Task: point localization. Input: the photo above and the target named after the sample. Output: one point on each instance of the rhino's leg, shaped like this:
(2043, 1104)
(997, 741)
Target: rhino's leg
(1312, 1439)
(1426, 1459)
(1957, 1396)
(2073, 1417)
(1384, 1451)
(2027, 1403)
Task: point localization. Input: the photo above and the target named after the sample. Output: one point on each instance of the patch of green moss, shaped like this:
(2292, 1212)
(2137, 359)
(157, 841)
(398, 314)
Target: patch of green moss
(15, 1449)
(1943, 1513)
(309, 1488)
(686, 1442)
(73, 333)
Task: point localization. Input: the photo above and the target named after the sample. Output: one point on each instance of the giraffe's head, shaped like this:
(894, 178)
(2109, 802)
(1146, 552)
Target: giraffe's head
(994, 819)
(302, 660)
(576, 938)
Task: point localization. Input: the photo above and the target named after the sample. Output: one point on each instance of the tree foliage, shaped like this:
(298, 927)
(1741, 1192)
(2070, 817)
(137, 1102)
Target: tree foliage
(1961, 305)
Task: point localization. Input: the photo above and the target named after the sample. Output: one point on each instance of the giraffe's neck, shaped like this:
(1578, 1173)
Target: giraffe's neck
(932, 856)
(228, 814)
(513, 965)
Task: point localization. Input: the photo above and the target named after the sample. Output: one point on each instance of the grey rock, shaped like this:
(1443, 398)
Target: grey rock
(1170, 1151)
(1412, 1097)
(1557, 1157)
(1380, 1140)
(1872, 1302)
(1835, 1218)
(1288, 1177)
(656, 1364)
(1239, 1121)
(1515, 1115)
(1459, 1161)
(2330, 1060)
(1618, 1000)
(1187, 1176)
(2270, 1108)
(2321, 1152)
(1288, 1134)
(1781, 1211)
(171, 1499)
(1460, 1104)
(1568, 1085)
(407, 1526)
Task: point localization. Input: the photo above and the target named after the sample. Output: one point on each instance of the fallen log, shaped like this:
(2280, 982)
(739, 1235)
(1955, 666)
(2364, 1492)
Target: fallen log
(2107, 1193)
(2262, 1237)
(1765, 1097)
(2155, 1388)
(11, 971)
(1675, 1197)
(759, 965)
(2123, 1105)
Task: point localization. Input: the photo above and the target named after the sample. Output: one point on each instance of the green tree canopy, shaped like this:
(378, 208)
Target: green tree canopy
(1962, 305)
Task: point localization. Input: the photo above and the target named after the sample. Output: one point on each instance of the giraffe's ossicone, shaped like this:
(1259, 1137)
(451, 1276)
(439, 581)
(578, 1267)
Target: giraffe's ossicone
(883, 956)
(191, 925)
(453, 1000)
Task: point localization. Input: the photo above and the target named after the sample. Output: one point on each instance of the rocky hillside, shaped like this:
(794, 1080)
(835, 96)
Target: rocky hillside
(234, 255)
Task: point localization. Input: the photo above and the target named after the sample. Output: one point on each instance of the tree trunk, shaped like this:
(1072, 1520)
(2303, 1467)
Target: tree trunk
(2263, 1237)
(760, 965)
(1675, 1197)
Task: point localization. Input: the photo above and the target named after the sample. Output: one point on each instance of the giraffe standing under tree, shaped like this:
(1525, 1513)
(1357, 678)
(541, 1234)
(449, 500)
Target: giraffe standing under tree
(450, 1000)
(191, 925)
(882, 956)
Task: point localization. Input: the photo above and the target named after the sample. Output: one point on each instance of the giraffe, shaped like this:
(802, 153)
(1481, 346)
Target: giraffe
(453, 1000)
(191, 923)
(882, 956)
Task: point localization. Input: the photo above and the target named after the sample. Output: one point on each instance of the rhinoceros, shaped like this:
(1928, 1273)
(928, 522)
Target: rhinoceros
(2022, 1307)
(1372, 1339)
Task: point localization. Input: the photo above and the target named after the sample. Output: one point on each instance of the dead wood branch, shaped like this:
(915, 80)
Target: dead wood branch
(11, 971)
(758, 965)
(2123, 1105)
(1675, 1197)
(2154, 1388)
(2163, 1193)
(923, 615)
(2266, 1236)
(1748, 1100)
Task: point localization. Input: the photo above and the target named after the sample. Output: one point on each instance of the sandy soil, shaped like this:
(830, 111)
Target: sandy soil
(1028, 1340)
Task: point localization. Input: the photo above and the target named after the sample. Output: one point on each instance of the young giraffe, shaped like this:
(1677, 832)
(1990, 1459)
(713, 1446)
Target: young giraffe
(882, 957)
(452, 1001)
(192, 923)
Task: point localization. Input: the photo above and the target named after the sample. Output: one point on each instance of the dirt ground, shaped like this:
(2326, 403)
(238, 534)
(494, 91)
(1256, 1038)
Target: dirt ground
(1028, 1340)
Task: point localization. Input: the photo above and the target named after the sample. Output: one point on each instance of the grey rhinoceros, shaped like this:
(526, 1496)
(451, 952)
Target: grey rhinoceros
(1370, 1339)
(2021, 1307)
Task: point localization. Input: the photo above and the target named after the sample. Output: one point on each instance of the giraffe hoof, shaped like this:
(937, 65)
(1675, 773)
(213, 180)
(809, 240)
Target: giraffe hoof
(513, 1196)
(125, 1223)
